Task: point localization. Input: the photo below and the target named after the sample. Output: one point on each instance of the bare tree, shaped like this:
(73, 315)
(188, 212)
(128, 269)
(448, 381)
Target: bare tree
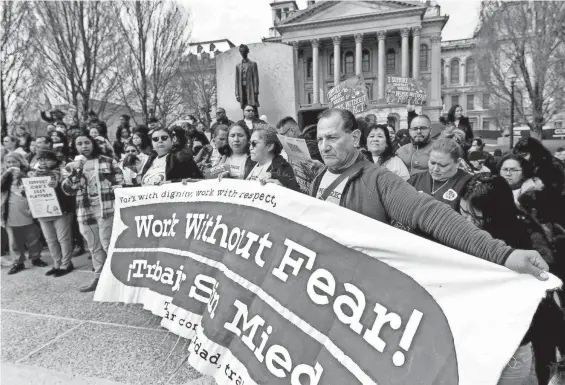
(77, 43)
(157, 39)
(524, 39)
(17, 58)
(199, 85)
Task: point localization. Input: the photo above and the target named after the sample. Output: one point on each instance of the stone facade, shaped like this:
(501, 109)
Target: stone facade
(460, 85)
(334, 40)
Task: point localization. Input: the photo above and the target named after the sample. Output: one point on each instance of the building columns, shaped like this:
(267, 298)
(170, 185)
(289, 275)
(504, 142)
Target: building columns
(405, 33)
(416, 52)
(447, 79)
(337, 59)
(435, 91)
(358, 53)
(462, 73)
(315, 71)
(381, 70)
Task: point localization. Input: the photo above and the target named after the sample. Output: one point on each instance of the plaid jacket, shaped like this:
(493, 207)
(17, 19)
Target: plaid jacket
(109, 174)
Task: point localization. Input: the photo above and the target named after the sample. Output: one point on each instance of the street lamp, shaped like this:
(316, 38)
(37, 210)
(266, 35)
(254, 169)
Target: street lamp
(512, 84)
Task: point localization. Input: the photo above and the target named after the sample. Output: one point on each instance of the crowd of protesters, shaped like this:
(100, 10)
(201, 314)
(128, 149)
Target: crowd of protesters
(434, 179)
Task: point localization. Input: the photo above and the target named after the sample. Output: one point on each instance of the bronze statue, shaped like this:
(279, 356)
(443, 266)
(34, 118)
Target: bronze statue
(247, 81)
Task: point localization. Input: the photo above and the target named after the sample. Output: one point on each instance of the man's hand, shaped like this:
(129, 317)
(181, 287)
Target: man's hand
(223, 175)
(237, 98)
(528, 262)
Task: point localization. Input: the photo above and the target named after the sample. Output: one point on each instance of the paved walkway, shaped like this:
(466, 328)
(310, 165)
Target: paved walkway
(54, 335)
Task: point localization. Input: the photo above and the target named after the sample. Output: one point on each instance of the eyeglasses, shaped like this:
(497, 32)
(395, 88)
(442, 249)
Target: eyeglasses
(131, 152)
(510, 170)
(420, 128)
(163, 138)
(254, 143)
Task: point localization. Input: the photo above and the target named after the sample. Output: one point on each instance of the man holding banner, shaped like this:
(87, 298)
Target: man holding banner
(352, 182)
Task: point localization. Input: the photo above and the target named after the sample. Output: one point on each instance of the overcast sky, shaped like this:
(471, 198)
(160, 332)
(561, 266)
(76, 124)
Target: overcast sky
(248, 21)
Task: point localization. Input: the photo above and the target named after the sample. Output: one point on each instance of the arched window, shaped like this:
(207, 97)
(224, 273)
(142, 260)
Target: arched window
(454, 72)
(331, 64)
(349, 62)
(423, 56)
(470, 71)
(309, 68)
(442, 72)
(366, 60)
(390, 61)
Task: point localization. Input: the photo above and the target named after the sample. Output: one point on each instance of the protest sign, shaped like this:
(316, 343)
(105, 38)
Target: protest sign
(276, 287)
(295, 147)
(41, 198)
(305, 169)
(404, 91)
(350, 94)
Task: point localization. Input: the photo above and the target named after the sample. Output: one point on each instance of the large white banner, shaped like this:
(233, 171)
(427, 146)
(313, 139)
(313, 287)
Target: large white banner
(275, 287)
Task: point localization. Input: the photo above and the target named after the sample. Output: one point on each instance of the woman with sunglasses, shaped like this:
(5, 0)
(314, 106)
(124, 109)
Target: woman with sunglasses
(92, 180)
(167, 165)
(270, 166)
(236, 154)
(487, 202)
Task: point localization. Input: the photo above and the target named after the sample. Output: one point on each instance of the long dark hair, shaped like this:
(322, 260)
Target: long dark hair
(96, 151)
(227, 150)
(119, 132)
(493, 197)
(64, 141)
(451, 113)
(542, 162)
(182, 140)
(144, 136)
(389, 150)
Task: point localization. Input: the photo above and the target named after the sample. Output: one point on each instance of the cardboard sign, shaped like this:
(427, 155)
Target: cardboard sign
(350, 94)
(213, 172)
(41, 198)
(276, 287)
(404, 91)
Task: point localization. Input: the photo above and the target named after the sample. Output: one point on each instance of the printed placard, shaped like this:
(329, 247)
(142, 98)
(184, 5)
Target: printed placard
(295, 147)
(404, 91)
(350, 94)
(41, 198)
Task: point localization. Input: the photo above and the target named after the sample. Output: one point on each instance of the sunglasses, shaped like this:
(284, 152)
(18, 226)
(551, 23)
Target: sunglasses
(163, 138)
(131, 152)
(254, 144)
